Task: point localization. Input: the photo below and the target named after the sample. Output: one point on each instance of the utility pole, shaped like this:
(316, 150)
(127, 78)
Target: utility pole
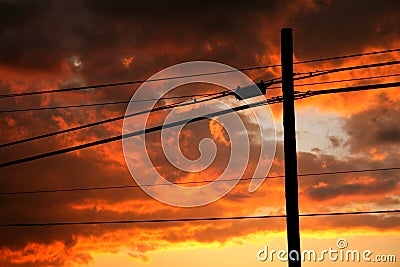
(289, 126)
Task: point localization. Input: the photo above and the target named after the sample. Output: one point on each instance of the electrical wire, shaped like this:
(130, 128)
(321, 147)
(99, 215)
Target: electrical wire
(192, 182)
(66, 107)
(309, 75)
(84, 126)
(349, 56)
(347, 89)
(130, 82)
(317, 73)
(273, 100)
(137, 133)
(217, 95)
(335, 90)
(126, 102)
(339, 81)
(188, 76)
(108, 103)
(193, 219)
(211, 96)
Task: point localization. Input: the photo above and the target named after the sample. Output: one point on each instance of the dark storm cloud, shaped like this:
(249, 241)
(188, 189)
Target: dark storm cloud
(43, 38)
(37, 36)
(327, 187)
(337, 190)
(340, 27)
(383, 132)
(40, 36)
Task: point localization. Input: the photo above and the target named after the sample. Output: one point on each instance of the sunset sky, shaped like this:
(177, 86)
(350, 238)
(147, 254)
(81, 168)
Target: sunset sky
(61, 44)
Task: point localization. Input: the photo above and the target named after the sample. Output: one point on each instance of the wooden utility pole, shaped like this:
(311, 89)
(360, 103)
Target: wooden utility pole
(290, 150)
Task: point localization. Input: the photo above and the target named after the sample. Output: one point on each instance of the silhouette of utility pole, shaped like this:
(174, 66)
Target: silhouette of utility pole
(289, 126)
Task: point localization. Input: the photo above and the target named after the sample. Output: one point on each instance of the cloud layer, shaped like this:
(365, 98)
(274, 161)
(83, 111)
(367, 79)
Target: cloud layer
(53, 44)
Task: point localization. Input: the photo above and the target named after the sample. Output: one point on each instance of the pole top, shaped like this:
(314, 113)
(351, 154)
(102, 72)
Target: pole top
(286, 30)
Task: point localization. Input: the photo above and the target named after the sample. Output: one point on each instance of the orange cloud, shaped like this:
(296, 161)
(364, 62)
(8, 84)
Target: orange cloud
(218, 133)
(127, 61)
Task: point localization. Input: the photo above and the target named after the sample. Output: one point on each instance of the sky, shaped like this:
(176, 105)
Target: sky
(61, 44)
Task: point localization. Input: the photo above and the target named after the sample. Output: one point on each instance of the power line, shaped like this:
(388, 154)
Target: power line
(130, 186)
(349, 89)
(217, 95)
(342, 80)
(350, 171)
(349, 213)
(140, 132)
(109, 103)
(211, 96)
(273, 100)
(310, 74)
(349, 56)
(84, 126)
(187, 76)
(193, 219)
(66, 106)
(193, 182)
(131, 82)
(126, 102)
(317, 73)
